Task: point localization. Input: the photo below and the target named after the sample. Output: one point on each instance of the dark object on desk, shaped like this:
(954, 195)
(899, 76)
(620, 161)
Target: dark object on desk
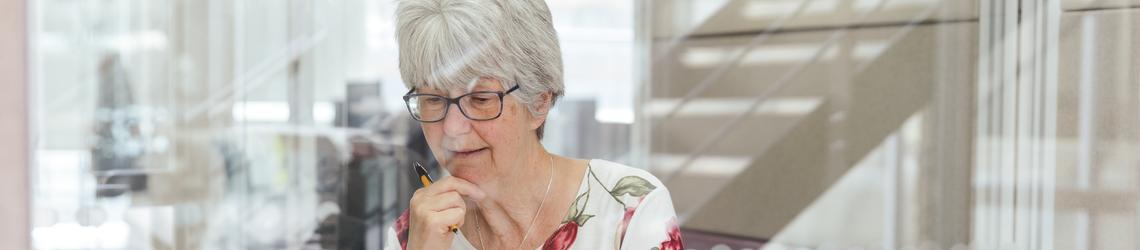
(698, 239)
(119, 143)
(376, 182)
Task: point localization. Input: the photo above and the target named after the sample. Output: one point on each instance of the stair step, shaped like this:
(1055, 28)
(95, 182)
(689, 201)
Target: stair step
(700, 119)
(753, 16)
(704, 177)
(728, 107)
(763, 65)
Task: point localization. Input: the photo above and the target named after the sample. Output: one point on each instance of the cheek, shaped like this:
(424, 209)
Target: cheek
(520, 114)
(494, 133)
(520, 117)
(506, 131)
(433, 134)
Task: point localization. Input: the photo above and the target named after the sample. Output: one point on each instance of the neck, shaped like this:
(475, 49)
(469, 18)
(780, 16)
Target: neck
(501, 220)
(507, 214)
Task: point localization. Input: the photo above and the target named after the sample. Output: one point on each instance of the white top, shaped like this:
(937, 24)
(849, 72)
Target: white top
(617, 207)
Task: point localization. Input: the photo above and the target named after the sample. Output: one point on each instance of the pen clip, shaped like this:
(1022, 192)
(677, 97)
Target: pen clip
(421, 172)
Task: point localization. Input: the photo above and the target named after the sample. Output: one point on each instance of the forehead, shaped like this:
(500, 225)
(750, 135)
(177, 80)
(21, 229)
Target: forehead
(482, 83)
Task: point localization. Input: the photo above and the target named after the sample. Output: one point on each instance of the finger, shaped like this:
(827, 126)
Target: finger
(460, 185)
(443, 221)
(443, 201)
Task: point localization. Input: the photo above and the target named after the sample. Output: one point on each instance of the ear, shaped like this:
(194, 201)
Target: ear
(544, 103)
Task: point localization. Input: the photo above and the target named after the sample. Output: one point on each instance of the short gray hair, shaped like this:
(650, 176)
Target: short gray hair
(444, 44)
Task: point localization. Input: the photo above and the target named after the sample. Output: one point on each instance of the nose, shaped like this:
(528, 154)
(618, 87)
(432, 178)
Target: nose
(454, 123)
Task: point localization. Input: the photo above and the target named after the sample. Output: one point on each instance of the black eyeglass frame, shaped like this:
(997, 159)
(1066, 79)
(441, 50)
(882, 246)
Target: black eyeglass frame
(447, 108)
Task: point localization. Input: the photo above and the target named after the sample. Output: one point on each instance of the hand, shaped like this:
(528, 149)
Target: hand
(434, 209)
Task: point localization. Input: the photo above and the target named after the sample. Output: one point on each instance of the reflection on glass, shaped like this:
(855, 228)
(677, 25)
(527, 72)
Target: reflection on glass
(214, 124)
(176, 124)
(937, 124)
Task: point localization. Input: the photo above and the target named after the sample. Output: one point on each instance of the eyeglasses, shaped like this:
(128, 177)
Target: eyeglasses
(478, 106)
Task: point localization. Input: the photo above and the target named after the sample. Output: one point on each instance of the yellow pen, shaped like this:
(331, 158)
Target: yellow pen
(426, 180)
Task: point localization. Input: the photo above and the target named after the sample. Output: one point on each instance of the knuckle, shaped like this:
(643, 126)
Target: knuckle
(414, 202)
(416, 196)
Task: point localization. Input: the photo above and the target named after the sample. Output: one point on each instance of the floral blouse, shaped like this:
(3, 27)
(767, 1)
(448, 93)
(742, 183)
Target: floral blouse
(617, 207)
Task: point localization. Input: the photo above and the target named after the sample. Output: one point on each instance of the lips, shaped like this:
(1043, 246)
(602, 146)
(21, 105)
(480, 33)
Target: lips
(468, 153)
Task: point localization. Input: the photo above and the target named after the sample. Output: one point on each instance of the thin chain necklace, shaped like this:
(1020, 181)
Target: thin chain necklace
(531, 226)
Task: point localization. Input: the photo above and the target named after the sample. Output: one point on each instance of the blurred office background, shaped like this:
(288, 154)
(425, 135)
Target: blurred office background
(776, 124)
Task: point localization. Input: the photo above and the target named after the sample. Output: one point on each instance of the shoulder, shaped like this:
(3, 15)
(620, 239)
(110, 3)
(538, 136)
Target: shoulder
(630, 187)
(614, 174)
(644, 213)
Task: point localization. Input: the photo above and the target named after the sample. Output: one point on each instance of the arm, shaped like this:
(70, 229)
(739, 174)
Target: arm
(653, 223)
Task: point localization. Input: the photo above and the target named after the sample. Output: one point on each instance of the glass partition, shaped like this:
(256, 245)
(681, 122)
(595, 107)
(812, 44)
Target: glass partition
(775, 124)
(896, 124)
(174, 124)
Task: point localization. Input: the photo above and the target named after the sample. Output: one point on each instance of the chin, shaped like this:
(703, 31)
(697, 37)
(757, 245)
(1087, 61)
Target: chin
(469, 171)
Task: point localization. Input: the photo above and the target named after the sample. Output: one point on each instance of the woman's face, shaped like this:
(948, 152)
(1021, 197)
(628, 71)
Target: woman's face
(481, 151)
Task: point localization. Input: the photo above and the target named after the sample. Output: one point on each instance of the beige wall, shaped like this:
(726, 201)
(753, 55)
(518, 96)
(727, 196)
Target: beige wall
(13, 126)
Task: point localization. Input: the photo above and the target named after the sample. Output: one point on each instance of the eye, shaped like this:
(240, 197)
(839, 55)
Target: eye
(432, 100)
(483, 99)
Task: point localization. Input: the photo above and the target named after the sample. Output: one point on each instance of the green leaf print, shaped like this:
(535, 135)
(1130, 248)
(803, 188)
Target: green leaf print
(632, 185)
(581, 220)
(574, 210)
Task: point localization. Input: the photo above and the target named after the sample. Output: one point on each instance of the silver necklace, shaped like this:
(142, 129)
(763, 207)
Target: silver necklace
(531, 226)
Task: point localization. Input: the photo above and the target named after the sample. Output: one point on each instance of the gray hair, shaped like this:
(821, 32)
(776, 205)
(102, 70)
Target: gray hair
(444, 44)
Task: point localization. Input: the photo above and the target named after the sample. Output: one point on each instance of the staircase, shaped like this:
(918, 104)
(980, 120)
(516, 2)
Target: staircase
(759, 108)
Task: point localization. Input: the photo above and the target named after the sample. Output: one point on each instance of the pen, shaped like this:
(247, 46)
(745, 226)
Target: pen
(426, 180)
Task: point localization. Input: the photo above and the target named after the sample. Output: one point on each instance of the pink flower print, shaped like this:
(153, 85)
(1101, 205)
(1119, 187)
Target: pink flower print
(563, 237)
(401, 227)
(674, 241)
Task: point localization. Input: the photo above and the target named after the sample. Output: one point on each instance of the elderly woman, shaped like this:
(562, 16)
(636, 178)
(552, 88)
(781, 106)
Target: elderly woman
(482, 76)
